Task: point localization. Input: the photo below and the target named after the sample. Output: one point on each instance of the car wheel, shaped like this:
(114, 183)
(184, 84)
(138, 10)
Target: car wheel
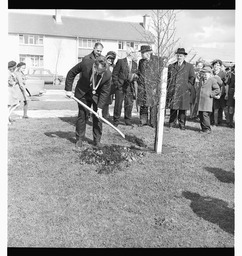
(56, 82)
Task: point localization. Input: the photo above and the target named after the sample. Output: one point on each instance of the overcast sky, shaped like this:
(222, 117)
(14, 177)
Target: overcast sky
(209, 33)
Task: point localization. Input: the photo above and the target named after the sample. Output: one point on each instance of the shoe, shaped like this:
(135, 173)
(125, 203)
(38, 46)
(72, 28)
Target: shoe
(182, 127)
(172, 125)
(206, 131)
(140, 125)
(25, 117)
(128, 123)
(98, 144)
(116, 123)
(79, 144)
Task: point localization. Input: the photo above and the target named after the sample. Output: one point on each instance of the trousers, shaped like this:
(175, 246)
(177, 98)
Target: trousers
(82, 119)
(120, 97)
(177, 114)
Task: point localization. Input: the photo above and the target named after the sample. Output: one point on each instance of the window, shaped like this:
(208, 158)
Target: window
(136, 46)
(133, 45)
(87, 43)
(31, 39)
(120, 45)
(32, 60)
(21, 39)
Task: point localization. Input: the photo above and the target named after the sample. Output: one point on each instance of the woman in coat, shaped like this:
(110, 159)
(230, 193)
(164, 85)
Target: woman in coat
(181, 78)
(209, 90)
(13, 89)
(23, 95)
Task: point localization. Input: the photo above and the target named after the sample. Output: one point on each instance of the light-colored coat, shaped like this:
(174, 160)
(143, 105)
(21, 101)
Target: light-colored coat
(209, 89)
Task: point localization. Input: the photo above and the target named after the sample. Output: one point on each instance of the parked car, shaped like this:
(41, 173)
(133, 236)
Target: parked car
(46, 75)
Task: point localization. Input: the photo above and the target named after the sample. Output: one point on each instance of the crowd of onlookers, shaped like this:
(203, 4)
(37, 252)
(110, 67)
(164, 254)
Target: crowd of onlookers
(205, 90)
(223, 104)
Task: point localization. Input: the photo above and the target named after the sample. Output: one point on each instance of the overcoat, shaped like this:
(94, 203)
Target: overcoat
(149, 78)
(180, 84)
(209, 89)
(83, 85)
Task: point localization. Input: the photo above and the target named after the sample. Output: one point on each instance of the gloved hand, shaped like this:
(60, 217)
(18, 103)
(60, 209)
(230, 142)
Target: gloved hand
(69, 94)
(99, 112)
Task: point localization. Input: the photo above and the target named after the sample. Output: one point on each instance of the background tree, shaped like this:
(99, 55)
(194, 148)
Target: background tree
(162, 32)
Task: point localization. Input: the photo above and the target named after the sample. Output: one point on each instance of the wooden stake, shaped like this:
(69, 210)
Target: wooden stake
(161, 113)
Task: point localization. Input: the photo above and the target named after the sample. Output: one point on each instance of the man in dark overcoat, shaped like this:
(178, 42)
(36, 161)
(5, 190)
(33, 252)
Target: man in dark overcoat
(124, 74)
(180, 84)
(93, 88)
(147, 99)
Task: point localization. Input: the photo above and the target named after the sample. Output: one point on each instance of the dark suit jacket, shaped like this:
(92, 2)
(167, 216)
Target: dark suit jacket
(83, 87)
(180, 85)
(89, 56)
(121, 73)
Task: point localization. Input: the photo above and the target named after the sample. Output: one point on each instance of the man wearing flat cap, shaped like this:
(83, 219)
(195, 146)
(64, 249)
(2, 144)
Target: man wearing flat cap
(180, 85)
(209, 91)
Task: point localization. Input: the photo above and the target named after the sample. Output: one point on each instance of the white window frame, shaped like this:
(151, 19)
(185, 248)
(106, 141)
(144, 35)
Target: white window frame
(120, 45)
(39, 39)
(36, 60)
(89, 43)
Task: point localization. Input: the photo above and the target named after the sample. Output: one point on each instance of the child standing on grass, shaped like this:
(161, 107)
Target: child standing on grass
(209, 90)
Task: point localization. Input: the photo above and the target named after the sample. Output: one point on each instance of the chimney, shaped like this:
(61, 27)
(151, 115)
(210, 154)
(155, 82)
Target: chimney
(146, 21)
(57, 16)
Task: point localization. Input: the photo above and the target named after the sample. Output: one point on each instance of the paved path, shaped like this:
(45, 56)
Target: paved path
(55, 95)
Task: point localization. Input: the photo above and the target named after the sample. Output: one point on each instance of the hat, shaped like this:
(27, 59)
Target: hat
(145, 48)
(217, 61)
(111, 55)
(181, 51)
(20, 64)
(207, 69)
(11, 64)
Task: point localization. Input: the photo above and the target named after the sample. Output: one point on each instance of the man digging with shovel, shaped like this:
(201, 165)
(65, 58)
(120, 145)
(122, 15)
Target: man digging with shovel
(93, 88)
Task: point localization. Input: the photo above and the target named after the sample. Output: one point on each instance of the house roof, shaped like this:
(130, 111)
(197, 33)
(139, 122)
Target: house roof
(76, 27)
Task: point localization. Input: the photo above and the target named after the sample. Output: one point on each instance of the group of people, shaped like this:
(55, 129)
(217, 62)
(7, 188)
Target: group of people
(223, 104)
(101, 80)
(206, 90)
(17, 91)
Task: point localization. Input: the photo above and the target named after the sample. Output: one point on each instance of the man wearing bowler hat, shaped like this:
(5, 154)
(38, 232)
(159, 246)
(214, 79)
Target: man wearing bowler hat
(146, 85)
(181, 78)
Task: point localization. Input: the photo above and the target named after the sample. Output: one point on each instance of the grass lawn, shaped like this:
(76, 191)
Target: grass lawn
(60, 197)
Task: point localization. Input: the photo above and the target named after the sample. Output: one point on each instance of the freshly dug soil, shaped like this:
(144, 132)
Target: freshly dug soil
(109, 159)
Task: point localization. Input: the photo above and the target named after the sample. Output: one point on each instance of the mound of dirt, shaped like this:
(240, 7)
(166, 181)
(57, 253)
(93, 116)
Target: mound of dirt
(110, 158)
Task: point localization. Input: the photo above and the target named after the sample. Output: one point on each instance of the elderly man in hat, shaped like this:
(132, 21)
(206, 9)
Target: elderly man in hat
(209, 91)
(181, 78)
(124, 74)
(146, 87)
